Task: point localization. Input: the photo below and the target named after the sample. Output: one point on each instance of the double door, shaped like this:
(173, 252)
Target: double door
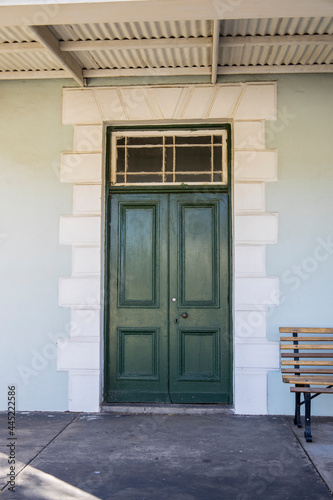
(167, 332)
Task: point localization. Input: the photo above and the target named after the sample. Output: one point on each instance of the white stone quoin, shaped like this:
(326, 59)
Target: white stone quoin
(246, 106)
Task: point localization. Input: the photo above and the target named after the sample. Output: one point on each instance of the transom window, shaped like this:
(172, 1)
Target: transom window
(169, 157)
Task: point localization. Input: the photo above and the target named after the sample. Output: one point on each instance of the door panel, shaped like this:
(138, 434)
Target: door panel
(137, 356)
(168, 280)
(198, 254)
(198, 355)
(137, 343)
(138, 250)
(199, 343)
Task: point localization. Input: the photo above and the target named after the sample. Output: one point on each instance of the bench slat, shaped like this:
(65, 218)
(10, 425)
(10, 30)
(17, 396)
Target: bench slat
(306, 339)
(311, 390)
(306, 355)
(305, 330)
(306, 370)
(311, 362)
(307, 346)
(293, 379)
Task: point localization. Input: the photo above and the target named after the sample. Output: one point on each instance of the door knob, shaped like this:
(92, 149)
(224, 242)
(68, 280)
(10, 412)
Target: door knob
(184, 315)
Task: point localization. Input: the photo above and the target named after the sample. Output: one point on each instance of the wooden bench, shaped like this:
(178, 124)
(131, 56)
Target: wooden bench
(307, 363)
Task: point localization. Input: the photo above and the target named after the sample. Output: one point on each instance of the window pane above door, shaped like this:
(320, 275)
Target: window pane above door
(169, 157)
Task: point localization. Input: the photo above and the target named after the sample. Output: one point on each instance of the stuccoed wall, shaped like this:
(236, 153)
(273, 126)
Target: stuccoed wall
(303, 257)
(31, 259)
(32, 199)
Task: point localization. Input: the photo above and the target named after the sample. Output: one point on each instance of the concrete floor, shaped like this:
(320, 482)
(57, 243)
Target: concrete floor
(65, 456)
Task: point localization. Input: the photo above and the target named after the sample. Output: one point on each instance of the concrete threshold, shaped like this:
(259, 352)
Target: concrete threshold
(167, 409)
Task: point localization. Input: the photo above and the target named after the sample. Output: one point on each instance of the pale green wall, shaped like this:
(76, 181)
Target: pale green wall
(32, 198)
(303, 198)
(31, 259)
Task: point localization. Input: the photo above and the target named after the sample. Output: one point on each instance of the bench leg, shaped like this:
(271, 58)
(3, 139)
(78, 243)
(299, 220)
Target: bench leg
(297, 419)
(307, 432)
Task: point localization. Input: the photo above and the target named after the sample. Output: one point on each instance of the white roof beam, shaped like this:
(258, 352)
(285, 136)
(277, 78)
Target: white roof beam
(215, 49)
(45, 36)
(11, 47)
(146, 72)
(259, 41)
(33, 75)
(85, 11)
(268, 70)
(155, 72)
(171, 43)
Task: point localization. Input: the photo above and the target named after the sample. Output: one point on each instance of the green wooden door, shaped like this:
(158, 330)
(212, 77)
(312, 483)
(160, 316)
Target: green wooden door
(168, 288)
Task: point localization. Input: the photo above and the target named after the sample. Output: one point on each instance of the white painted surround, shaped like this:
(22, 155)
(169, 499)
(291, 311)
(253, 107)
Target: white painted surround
(246, 106)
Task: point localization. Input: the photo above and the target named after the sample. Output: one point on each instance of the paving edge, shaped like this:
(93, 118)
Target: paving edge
(167, 409)
(308, 454)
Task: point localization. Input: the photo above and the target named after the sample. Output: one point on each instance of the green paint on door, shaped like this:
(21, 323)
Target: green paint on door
(168, 334)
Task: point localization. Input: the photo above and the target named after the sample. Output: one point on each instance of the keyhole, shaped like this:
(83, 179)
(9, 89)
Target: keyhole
(176, 321)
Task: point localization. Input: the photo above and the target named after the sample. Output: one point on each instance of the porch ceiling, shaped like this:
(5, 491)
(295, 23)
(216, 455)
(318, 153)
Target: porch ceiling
(166, 47)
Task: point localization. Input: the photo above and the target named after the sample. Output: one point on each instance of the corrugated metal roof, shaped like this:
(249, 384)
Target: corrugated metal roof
(134, 31)
(148, 58)
(195, 29)
(272, 55)
(283, 26)
(200, 57)
(248, 48)
(28, 61)
(15, 34)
